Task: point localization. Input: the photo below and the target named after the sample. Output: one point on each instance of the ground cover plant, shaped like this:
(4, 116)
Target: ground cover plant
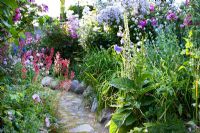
(140, 59)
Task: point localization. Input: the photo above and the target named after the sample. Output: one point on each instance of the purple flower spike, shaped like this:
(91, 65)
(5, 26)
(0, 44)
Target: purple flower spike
(118, 49)
(142, 23)
(151, 8)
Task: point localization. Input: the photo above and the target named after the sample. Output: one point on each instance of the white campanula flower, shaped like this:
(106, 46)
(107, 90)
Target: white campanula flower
(122, 41)
(120, 34)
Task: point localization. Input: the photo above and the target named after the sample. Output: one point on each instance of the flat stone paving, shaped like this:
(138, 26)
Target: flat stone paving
(75, 118)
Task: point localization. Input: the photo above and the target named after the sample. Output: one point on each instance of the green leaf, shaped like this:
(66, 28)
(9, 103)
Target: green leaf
(130, 120)
(147, 89)
(180, 109)
(6, 23)
(113, 127)
(10, 3)
(122, 83)
(181, 67)
(118, 119)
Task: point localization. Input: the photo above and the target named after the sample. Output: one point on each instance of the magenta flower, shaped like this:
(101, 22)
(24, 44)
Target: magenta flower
(171, 16)
(17, 16)
(151, 8)
(118, 49)
(142, 23)
(36, 98)
(153, 22)
(188, 20)
(17, 10)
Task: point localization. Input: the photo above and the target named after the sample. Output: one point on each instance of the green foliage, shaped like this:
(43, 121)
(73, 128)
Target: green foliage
(92, 71)
(9, 30)
(152, 86)
(77, 9)
(59, 39)
(20, 113)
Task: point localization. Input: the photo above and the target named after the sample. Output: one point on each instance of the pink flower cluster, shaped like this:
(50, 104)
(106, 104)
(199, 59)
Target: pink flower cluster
(61, 67)
(37, 61)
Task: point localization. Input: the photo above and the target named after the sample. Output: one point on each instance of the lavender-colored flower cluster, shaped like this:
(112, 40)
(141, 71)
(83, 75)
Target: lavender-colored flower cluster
(109, 15)
(127, 3)
(73, 25)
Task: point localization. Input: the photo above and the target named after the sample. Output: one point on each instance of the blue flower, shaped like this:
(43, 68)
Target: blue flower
(118, 49)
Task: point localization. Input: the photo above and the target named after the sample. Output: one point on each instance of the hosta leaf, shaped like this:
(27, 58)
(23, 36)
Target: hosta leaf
(130, 120)
(122, 83)
(118, 119)
(113, 127)
(147, 89)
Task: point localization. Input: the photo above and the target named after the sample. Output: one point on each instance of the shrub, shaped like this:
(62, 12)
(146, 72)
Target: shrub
(20, 112)
(59, 39)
